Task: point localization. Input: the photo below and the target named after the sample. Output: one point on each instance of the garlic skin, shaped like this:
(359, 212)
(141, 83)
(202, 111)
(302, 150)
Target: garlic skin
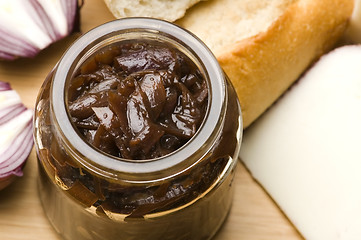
(16, 140)
(28, 26)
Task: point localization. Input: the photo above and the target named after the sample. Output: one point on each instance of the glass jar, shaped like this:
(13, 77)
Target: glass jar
(87, 194)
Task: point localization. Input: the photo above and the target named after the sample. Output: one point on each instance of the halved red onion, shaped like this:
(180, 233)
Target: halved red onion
(16, 138)
(28, 26)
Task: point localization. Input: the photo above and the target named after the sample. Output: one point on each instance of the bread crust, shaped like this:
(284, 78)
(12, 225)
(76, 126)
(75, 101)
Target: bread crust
(169, 10)
(263, 66)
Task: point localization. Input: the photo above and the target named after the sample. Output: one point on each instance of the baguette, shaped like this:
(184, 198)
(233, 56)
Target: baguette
(264, 45)
(263, 65)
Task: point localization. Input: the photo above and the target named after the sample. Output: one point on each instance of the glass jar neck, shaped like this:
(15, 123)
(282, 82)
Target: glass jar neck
(133, 170)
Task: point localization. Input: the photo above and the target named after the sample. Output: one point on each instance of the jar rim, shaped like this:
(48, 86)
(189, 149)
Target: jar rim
(212, 120)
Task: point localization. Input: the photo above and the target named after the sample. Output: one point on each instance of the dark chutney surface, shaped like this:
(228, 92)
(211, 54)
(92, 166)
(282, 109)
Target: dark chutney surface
(138, 100)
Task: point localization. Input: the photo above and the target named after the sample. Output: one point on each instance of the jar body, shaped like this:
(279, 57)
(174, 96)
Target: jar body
(76, 197)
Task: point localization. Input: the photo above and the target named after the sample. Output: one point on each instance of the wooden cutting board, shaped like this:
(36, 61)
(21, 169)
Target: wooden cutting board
(253, 216)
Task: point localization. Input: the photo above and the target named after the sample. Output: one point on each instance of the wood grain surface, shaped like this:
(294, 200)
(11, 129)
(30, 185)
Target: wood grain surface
(253, 216)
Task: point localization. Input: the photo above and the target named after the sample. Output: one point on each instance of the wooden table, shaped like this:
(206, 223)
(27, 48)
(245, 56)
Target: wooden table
(253, 216)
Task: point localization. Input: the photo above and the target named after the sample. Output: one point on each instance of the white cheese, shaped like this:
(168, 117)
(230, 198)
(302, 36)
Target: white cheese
(306, 150)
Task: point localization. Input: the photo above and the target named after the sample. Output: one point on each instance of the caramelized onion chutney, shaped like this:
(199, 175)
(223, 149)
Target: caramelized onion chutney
(138, 100)
(137, 132)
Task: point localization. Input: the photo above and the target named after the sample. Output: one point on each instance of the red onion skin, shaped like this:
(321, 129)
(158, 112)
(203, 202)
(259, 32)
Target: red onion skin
(14, 159)
(6, 181)
(13, 46)
(9, 179)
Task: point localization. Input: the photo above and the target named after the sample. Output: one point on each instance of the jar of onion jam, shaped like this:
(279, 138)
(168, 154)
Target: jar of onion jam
(137, 133)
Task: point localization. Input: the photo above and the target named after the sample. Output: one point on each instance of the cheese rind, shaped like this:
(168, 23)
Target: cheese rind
(306, 151)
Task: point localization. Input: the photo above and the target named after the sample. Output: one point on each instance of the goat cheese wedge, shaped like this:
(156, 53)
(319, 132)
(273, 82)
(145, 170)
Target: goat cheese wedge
(306, 149)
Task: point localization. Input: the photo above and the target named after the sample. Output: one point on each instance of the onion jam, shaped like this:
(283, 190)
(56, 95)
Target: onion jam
(137, 132)
(138, 100)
